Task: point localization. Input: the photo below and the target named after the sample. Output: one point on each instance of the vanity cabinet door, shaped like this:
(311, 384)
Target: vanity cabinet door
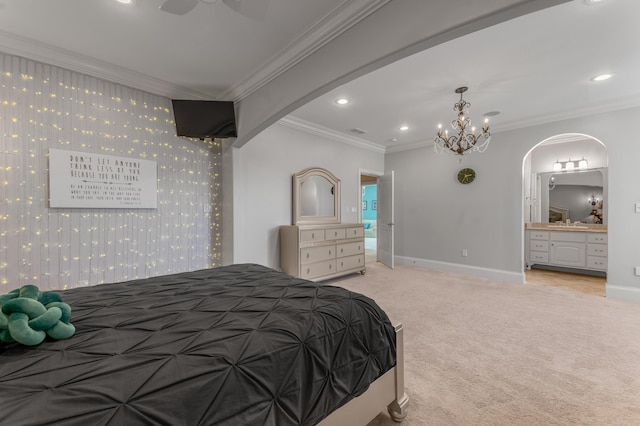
(570, 254)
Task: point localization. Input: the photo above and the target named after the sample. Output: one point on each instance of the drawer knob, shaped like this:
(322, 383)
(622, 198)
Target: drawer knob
(341, 250)
(330, 266)
(308, 271)
(307, 255)
(329, 251)
(313, 235)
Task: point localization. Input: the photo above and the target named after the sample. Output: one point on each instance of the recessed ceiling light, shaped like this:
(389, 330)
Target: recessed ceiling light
(602, 77)
(342, 101)
(492, 113)
(129, 2)
(404, 128)
(591, 2)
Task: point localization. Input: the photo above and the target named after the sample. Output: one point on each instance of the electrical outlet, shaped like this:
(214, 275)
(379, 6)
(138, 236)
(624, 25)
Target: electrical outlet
(637, 271)
(465, 252)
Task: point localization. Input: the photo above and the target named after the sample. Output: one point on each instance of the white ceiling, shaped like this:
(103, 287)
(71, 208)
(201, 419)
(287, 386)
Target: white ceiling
(212, 51)
(533, 69)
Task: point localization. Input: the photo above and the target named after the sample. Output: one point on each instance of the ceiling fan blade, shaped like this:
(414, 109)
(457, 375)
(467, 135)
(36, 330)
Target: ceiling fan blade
(252, 9)
(178, 7)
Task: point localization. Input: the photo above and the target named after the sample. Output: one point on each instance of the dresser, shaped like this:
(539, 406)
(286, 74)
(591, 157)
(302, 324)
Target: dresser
(572, 249)
(321, 252)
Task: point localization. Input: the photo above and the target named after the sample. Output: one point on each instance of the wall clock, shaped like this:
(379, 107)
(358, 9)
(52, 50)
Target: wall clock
(466, 175)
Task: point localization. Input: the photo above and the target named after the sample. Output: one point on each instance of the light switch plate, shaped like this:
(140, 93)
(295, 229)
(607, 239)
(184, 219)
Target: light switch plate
(637, 271)
(637, 207)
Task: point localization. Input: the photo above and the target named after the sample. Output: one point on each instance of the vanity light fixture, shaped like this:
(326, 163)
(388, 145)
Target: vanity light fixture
(464, 141)
(582, 164)
(560, 166)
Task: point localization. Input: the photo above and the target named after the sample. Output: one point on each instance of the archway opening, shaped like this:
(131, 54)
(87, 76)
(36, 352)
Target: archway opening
(565, 214)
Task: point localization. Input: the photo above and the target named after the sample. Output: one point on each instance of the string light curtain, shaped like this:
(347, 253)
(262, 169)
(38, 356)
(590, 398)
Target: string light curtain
(43, 107)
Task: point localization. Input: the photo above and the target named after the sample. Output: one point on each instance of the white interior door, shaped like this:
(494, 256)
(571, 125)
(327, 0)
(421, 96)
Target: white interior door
(385, 219)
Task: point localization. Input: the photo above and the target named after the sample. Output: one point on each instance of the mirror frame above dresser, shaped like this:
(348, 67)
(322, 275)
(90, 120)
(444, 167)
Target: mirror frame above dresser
(298, 181)
(320, 247)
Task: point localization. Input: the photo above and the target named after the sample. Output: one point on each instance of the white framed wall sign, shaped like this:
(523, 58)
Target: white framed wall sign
(88, 180)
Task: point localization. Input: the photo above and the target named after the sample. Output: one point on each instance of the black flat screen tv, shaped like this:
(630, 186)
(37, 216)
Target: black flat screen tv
(204, 119)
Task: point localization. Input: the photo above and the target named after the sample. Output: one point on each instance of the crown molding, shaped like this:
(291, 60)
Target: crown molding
(314, 129)
(51, 55)
(409, 146)
(602, 108)
(336, 22)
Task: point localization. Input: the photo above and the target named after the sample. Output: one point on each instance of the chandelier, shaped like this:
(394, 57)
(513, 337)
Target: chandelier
(463, 141)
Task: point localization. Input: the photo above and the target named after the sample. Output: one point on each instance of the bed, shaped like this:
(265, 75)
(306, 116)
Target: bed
(240, 344)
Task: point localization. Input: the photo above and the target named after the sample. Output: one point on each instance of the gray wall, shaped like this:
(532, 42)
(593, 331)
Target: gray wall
(262, 171)
(436, 217)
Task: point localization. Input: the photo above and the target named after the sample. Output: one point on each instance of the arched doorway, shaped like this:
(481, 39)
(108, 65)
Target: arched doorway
(566, 212)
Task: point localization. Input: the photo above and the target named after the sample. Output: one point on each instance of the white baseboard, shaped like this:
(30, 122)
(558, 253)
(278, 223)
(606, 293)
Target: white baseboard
(630, 294)
(476, 271)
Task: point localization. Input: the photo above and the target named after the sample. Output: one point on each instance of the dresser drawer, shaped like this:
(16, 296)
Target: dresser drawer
(310, 235)
(538, 245)
(318, 269)
(355, 232)
(538, 235)
(315, 254)
(596, 250)
(350, 249)
(597, 238)
(350, 262)
(596, 262)
(538, 257)
(335, 234)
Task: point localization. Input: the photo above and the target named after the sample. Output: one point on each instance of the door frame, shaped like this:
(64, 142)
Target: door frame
(365, 172)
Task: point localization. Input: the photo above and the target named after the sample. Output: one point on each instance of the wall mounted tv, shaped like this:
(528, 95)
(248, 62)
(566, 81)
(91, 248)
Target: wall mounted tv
(204, 119)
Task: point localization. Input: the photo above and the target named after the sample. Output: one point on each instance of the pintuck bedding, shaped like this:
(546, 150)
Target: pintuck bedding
(235, 345)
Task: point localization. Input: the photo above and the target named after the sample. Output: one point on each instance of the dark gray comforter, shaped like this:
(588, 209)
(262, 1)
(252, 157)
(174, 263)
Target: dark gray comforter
(235, 345)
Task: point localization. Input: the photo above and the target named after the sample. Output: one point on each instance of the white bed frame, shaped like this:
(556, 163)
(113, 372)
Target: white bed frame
(387, 391)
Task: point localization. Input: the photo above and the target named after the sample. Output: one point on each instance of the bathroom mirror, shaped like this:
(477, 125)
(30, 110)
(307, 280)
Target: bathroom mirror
(573, 196)
(316, 197)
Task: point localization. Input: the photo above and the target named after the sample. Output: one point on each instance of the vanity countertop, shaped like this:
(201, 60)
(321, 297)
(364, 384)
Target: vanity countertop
(574, 227)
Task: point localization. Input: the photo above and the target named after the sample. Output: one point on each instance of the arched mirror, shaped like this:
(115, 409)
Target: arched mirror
(316, 197)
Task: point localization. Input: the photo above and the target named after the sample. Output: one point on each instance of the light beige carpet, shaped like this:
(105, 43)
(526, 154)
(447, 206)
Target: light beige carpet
(479, 352)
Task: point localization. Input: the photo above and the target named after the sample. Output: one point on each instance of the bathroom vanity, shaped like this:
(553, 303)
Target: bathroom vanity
(578, 246)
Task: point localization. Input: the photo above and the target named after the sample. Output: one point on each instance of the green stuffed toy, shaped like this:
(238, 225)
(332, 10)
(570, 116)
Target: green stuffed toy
(28, 315)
